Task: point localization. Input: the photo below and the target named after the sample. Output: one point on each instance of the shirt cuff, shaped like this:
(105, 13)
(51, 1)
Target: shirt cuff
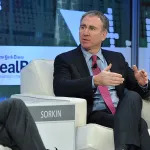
(93, 85)
(144, 88)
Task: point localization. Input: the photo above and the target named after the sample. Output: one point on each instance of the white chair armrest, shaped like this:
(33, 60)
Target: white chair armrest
(80, 105)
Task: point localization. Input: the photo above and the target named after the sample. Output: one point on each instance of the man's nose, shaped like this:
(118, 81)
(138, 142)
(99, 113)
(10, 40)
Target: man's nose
(86, 31)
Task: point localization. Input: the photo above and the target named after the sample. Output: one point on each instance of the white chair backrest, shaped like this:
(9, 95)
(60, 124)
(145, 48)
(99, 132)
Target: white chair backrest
(37, 82)
(38, 77)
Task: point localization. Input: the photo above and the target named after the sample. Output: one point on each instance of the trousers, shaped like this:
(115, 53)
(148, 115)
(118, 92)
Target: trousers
(128, 126)
(17, 127)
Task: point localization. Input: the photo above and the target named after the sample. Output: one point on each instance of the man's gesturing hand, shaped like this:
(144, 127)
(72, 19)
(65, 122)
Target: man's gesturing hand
(140, 75)
(107, 78)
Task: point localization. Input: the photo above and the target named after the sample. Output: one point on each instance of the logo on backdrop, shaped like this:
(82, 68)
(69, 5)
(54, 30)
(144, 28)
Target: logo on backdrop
(14, 58)
(10, 66)
(14, 64)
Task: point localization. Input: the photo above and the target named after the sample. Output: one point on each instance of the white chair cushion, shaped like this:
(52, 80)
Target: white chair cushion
(94, 137)
(145, 112)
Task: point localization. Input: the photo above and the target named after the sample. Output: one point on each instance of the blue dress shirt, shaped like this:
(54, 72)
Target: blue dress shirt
(99, 103)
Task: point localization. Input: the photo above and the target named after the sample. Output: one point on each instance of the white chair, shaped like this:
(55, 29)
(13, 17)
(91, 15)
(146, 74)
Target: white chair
(37, 79)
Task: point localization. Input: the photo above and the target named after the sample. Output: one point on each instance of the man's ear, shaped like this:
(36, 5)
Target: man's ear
(104, 35)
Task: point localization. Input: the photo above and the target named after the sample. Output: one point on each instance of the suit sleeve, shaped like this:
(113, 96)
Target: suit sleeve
(68, 82)
(132, 84)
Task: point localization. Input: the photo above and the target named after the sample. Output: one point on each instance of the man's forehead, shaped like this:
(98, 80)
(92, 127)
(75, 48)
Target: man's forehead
(91, 20)
(91, 17)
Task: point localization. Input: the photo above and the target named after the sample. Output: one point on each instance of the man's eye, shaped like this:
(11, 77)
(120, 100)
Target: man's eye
(92, 28)
(82, 27)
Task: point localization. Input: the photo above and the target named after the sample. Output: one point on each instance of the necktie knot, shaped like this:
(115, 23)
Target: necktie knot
(94, 61)
(94, 58)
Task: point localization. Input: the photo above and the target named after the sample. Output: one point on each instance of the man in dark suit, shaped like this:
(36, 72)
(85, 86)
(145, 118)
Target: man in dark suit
(112, 89)
(17, 127)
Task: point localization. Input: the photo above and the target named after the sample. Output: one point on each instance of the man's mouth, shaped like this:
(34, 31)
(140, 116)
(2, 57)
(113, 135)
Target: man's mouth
(86, 40)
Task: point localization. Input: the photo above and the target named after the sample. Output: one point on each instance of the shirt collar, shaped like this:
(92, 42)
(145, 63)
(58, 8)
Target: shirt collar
(88, 55)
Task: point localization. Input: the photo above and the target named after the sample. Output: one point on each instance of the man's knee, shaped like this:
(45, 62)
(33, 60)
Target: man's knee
(134, 98)
(143, 124)
(18, 103)
(131, 99)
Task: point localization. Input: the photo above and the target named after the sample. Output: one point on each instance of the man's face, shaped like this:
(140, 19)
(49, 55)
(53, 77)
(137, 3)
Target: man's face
(91, 33)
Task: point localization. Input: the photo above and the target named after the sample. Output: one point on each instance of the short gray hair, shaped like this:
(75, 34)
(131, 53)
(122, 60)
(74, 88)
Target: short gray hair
(100, 15)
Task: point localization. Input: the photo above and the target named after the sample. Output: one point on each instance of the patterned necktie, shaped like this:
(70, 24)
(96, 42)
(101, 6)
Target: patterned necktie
(103, 89)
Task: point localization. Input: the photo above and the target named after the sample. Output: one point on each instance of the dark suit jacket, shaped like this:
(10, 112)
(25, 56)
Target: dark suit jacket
(72, 77)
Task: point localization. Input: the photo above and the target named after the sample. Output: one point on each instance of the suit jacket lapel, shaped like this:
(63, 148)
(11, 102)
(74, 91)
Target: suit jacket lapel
(112, 60)
(81, 63)
(108, 59)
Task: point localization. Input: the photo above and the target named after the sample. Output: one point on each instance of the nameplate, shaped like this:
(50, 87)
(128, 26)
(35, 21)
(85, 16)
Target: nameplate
(52, 113)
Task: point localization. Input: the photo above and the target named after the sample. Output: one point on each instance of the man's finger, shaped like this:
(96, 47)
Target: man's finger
(108, 67)
(143, 73)
(134, 67)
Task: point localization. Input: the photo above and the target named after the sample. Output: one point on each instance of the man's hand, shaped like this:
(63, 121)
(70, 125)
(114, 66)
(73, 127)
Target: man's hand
(140, 75)
(107, 78)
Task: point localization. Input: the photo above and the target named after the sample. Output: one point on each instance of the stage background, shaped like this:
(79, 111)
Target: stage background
(34, 29)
